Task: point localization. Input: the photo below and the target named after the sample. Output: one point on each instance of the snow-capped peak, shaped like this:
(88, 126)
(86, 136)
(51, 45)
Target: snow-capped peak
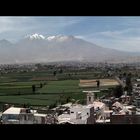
(59, 38)
(50, 38)
(35, 36)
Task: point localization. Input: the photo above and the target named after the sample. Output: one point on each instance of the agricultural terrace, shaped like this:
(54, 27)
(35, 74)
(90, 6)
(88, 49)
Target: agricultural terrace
(16, 88)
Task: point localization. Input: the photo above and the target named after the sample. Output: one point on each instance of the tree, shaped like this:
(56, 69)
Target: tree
(24, 105)
(69, 75)
(124, 75)
(68, 99)
(118, 91)
(128, 79)
(98, 83)
(60, 71)
(95, 95)
(33, 88)
(128, 87)
(54, 73)
(41, 85)
(53, 105)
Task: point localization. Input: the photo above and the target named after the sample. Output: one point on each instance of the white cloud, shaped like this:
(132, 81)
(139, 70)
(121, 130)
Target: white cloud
(124, 44)
(110, 33)
(80, 36)
(126, 39)
(21, 26)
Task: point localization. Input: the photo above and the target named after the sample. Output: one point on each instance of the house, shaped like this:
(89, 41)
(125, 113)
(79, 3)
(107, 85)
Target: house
(78, 114)
(15, 115)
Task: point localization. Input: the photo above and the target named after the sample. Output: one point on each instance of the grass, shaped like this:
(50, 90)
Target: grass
(61, 87)
(29, 99)
(16, 88)
(38, 100)
(12, 88)
(48, 95)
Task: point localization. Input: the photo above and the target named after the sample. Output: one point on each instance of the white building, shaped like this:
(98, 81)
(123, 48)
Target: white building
(78, 115)
(15, 115)
(98, 106)
(84, 114)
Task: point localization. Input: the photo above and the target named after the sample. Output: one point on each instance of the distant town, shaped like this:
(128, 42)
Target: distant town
(70, 93)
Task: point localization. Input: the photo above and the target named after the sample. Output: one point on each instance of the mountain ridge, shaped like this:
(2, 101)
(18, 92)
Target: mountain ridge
(38, 48)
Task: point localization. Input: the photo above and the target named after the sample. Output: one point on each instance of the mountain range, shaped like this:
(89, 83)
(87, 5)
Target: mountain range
(37, 48)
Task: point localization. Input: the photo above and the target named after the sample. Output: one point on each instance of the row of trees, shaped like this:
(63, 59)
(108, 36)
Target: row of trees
(128, 83)
(34, 87)
(55, 72)
(118, 91)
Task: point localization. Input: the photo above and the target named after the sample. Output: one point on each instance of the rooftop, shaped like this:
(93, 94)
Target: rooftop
(12, 110)
(117, 104)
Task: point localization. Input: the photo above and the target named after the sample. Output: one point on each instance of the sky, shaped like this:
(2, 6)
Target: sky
(120, 32)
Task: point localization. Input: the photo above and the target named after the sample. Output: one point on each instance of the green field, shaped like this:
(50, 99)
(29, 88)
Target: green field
(16, 88)
(47, 95)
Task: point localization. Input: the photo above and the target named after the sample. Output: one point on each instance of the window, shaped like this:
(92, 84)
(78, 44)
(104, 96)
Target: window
(72, 112)
(12, 116)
